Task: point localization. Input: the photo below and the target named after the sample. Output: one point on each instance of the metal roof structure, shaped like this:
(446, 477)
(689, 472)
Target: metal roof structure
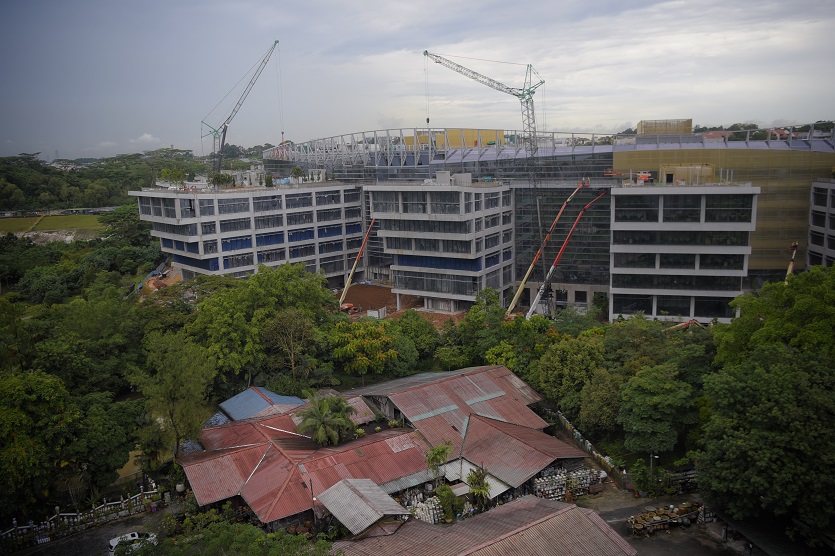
(439, 404)
(527, 525)
(255, 400)
(278, 472)
(512, 453)
(359, 503)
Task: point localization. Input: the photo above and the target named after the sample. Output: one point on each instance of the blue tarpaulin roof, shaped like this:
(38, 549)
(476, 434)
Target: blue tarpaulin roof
(253, 400)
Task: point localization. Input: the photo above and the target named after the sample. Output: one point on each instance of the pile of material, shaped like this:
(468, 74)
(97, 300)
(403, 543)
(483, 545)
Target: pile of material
(656, 519)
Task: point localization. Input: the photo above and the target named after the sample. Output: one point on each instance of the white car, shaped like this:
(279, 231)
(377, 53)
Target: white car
(134, 539)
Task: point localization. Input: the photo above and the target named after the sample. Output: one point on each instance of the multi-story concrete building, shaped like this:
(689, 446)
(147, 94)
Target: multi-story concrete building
(425, 242)
(822, 223)
(680, 251)
(231, 231)
(449, 237)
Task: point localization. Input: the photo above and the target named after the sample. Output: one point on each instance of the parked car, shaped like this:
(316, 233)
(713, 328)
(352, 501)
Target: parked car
(134, 538)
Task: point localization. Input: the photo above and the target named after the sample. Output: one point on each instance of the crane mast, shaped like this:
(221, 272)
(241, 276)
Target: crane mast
(219, 133)
(524, 94)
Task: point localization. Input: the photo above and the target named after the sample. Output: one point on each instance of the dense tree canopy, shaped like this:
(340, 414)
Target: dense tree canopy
(769, 443)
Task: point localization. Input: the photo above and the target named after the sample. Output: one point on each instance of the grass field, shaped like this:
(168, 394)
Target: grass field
(74, 222)
(16, 224)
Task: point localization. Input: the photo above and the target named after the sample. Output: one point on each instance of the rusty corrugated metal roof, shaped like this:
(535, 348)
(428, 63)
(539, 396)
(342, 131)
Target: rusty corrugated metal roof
(359, 503)
(221, 474)
(528, 525)
(510, 452)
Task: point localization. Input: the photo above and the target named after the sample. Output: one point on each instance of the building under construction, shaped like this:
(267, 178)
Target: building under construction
(689, 221)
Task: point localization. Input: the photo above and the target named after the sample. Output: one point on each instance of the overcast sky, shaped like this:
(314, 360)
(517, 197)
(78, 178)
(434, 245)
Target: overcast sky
(104, 77)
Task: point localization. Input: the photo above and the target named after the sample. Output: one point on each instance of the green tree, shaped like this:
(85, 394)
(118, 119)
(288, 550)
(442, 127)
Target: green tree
(769, 441)
(38, 421)
(436, 457)
(123, 225)
(290, 332)
(600, 402)
(105, 437)
(479, 488)
(176, 386)
(327, 419)
(363, 346)
(420, 331)
(654, 407)
(481, 328)
(769, 444)
(565, 368)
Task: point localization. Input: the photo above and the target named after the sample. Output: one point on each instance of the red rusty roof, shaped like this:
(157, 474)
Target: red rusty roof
(439, 410)
(275, 475)
(221, 474)
(511, 453)
(527, 525)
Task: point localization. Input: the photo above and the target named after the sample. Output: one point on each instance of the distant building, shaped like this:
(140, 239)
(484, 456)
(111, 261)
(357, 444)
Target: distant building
(822, 223)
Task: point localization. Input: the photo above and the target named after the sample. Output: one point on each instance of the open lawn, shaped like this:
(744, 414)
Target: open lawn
(15, 225)
(73, 222)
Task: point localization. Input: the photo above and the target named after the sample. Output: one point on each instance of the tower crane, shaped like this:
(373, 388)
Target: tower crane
(524, 94)
(219, 133)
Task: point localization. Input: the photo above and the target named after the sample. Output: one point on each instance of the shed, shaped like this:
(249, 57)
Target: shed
(359, 503)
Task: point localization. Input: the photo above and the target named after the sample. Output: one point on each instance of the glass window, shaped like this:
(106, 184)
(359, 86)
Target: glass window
(232, 205)
(208, 228)
(207, 207)
(234, 225)
(210, 246)
(682, 208)
(384, 201)
(636, 208)
(445, 202)
(328, 198)
(263, 204)
(414, 202)
(298, 200)
(272, 221)
(187, 209)
(677, 260)
(297, 218)
(327, 215)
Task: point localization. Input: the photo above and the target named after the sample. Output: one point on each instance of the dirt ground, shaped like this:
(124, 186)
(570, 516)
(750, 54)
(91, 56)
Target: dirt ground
(369, 296)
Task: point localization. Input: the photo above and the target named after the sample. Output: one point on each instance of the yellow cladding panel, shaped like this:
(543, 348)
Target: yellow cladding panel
(784, 179)
(470, 138)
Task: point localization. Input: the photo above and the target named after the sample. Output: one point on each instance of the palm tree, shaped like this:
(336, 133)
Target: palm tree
(479, 487)
(327, 419)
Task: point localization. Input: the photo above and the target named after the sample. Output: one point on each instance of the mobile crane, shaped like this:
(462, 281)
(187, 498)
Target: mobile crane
(538, 254)
(546, 283)
(219, 133)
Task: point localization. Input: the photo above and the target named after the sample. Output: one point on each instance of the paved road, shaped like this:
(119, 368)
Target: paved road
(93, 542)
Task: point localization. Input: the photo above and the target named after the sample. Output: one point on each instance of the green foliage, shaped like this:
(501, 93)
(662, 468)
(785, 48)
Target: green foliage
(414, 326)
(37, 423)
(176, 385)
(327, 419)
(363, 346)
(436, 457)
(223, 538)
(481, 328)
(654, 406)
(291, 334)
(769, 440)
(567, 365)
(105, 437)
(450, 504)
(123, 225)
(600, 402)
(479, 487)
